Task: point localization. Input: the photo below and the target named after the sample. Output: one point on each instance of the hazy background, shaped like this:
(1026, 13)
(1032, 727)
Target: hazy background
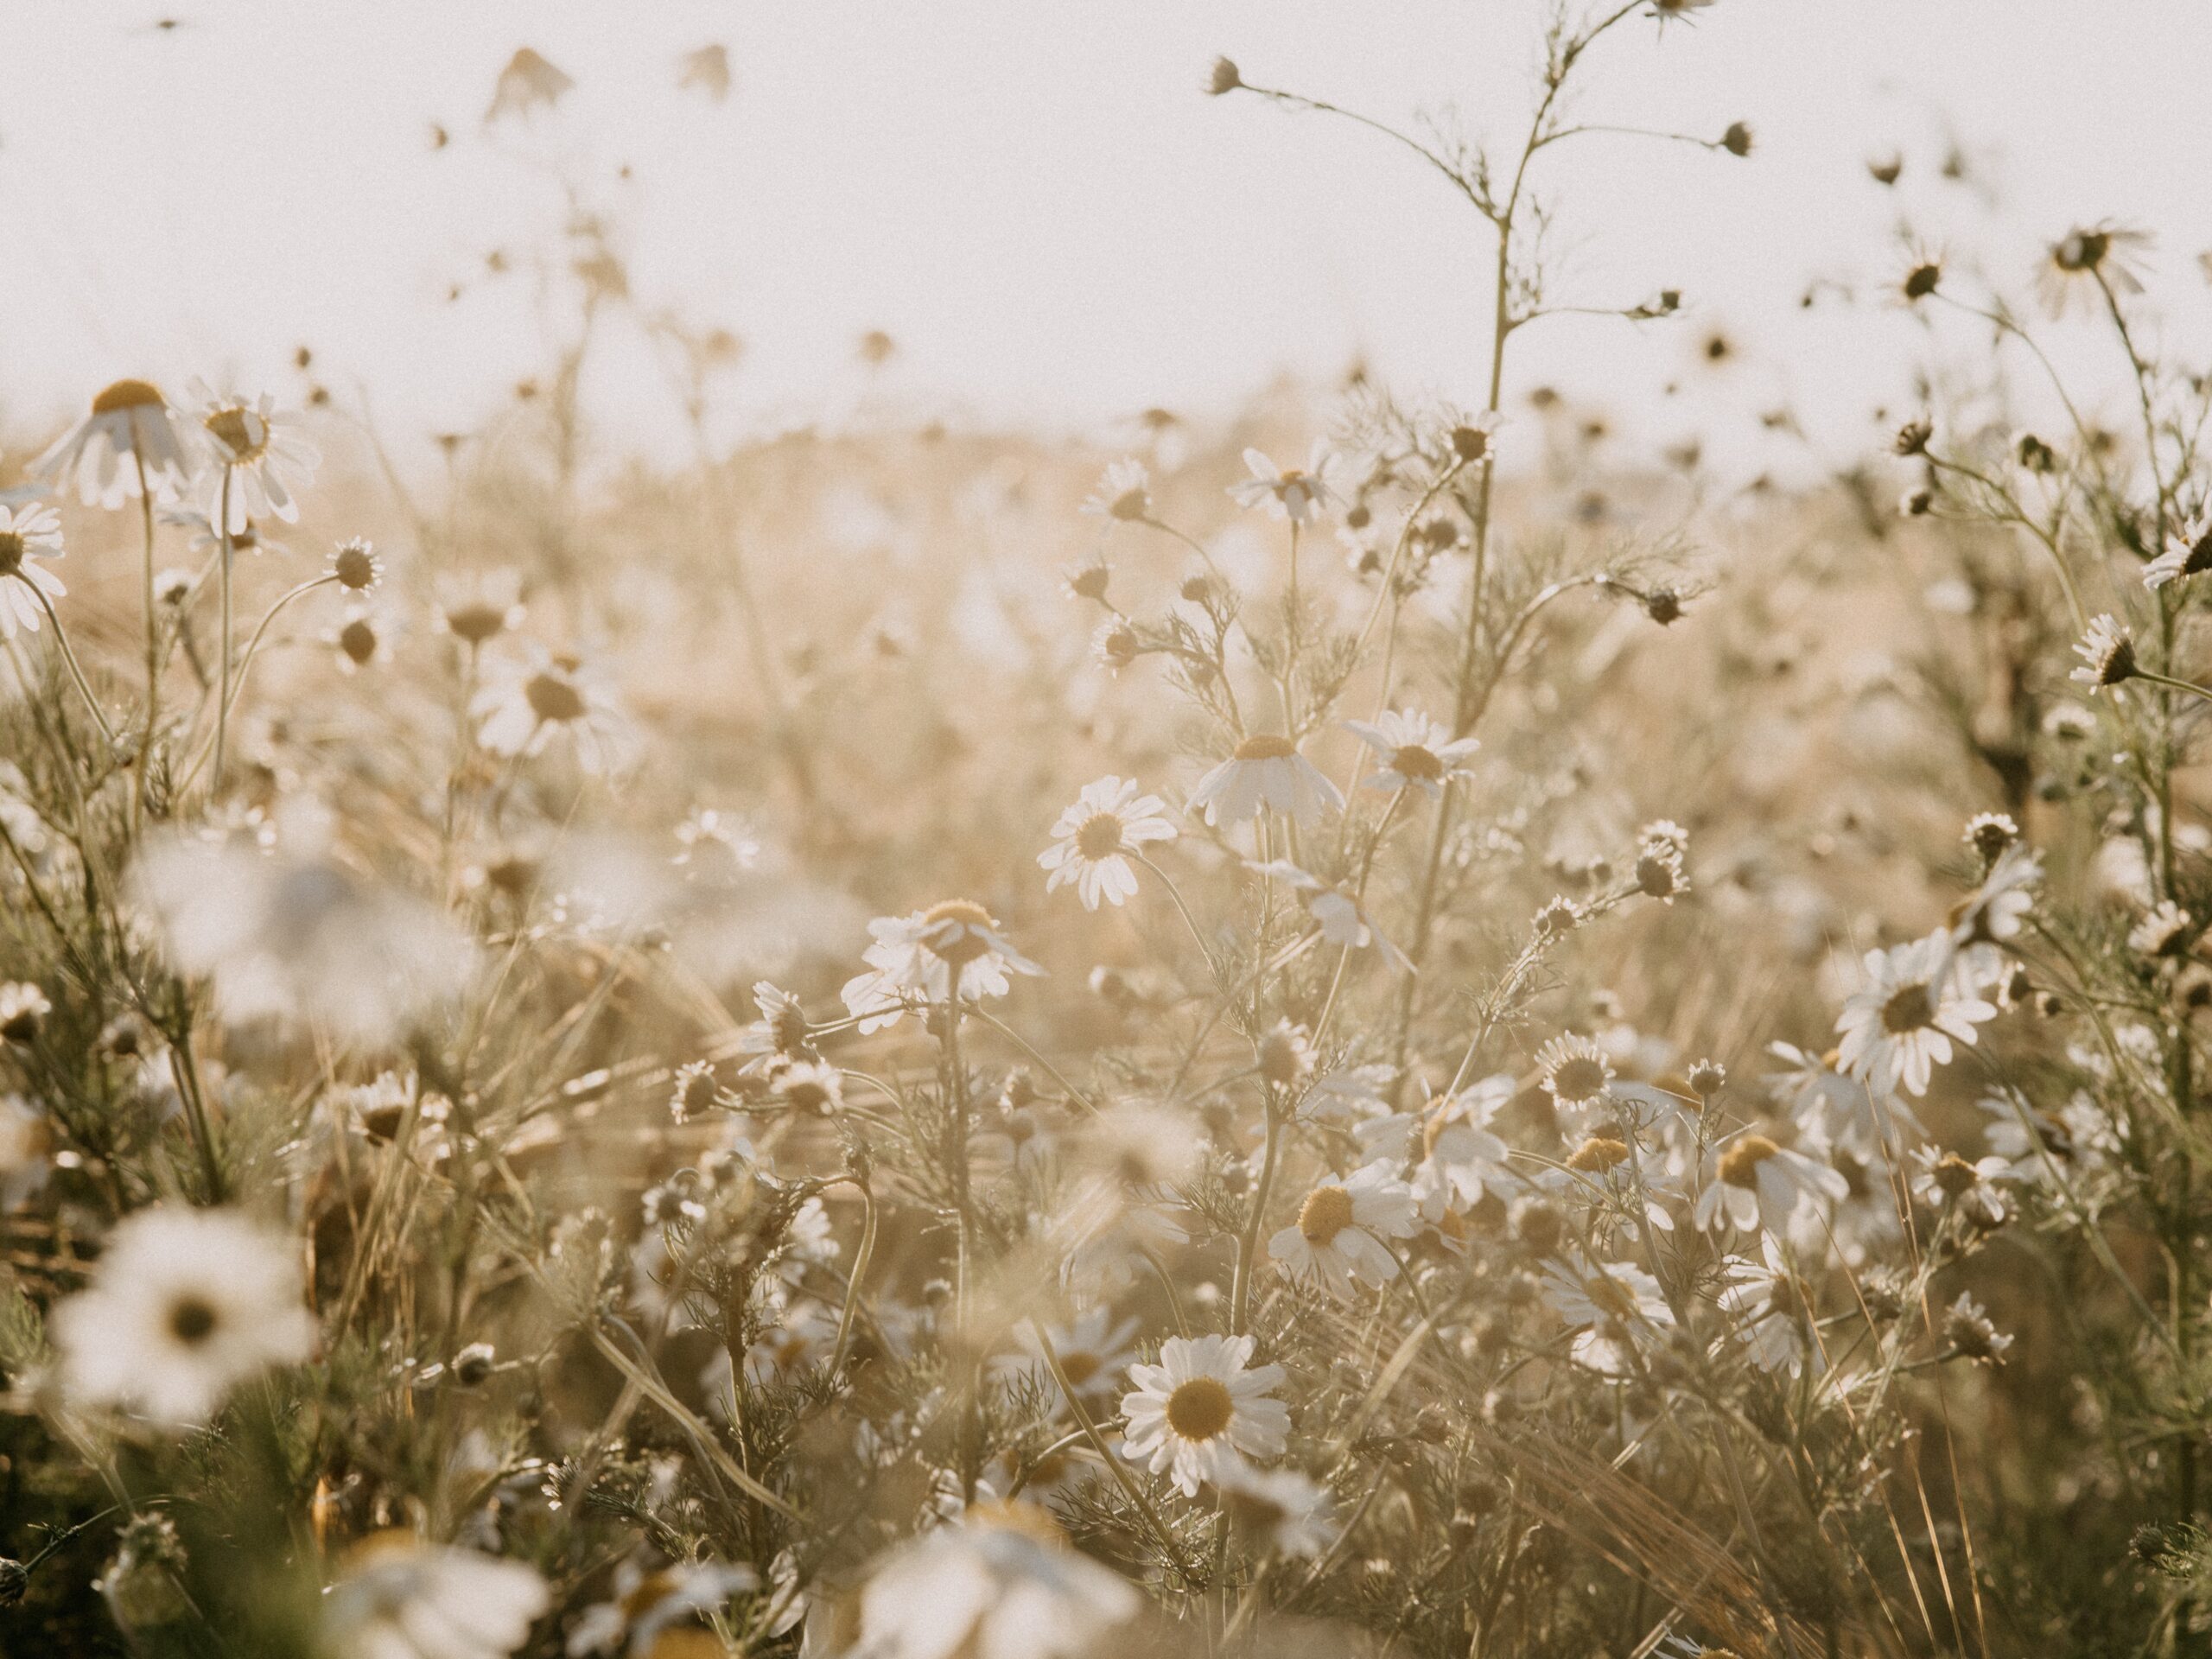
(1037, 201)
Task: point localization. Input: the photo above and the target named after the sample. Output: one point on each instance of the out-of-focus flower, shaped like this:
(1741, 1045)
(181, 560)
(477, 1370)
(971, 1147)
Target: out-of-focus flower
(1901, 1027)
(529, 82)
(1755, 1182)
(129, 427)
(23, 1007)
(1202, 1409)
(1341, 916)
(1094, 1350)
(1617, 1307)
(999, 1585)
(1838, 1107)
(1095, 838)
(296, 938)
(646, 1604)
(480, 607)
(2188, 553)
(528, 704)
(1337, 1238)
(29, 535)
(1124, 493)
(2087, 263)
(398, 1598)
(1298, 494)
(705, 69)
(1265, 771)
(1967, 1328)
(915, 957)
(26, 1149)
(1942, 1178)
(1414, 751)
(260, 460)
(1277, 1511)
(1770, 1311)
(2164, 930)
(183, 1306)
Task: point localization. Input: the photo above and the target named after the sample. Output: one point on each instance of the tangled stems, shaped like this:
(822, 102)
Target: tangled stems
(246, 662)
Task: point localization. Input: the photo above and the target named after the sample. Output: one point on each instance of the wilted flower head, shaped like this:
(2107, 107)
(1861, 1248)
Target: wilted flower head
(1967, 1328)
(355, 565)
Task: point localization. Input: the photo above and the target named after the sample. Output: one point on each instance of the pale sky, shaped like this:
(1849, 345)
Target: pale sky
(1035, 200)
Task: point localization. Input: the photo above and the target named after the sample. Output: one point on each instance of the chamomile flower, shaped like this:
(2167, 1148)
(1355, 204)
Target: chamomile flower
(1414, 751)
(29, 534)
(1203, 1410)
(528, 704)
(1094, 1350)
(1754, 1183)
(1576, 1071)
(1340, 916)
(780, 1033)
(398, 1598)
(2088, 262)
(1337, 1238)
(1941, 1179)
(1770, 1311)
(1278, 1511)
(1461, 1157)
(2108, 654)
(1000, 1582)
(1995, 911)
(184, 1306)
(1615, 1306)
(1124, 493)
(1095, 839)
(129, 428)
(916, 957)
(2189, 553)
(2163, 932)
(260, 463)
(1298, 494)
(1966, 1327)
(1265, 771)
(1901, 1027)
(1838, 1107)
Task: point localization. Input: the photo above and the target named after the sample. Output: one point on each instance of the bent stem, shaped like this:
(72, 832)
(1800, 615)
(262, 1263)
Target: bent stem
(69, 657)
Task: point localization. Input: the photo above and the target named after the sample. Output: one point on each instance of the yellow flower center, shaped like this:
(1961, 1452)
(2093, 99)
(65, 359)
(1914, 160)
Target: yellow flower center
(1413, 760)
(1578, 1077)
(1739, 1165)
(1200, 1409)
(1910, 1007)
(552, 699)
(1100, 836)
(1609, 1295)
(1080, 1367)
(193, 1319)
(243, 434)
(359, 641)
(1954, 1175)
(1265, 747)
(126, 394)
(11, 552)
(1326, 1213)
(950, 930)
(1598, 1152)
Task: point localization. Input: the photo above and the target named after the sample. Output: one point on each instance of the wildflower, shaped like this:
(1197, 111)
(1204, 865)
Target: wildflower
(1837, 1107)
(1943, 1178)
(2089, 260)
(1223, 78)
(527, 82)
(2189, 553)
(1560, 917)
(1614, 1304)
(1989, 834)
(645, 1604)
(526, 705)
(1576, 1070)
(781, 1032)
(1090, 580)
(23, 1007)
(2034, 455)
(260, 459)
(1414, 751)
(1095, 838)
(1265, 771)
(360, 643)
(1772, 1312)
(1286, 1054)
(1124, 493)
(1278, 1512)
(183, 1306)
(1343, 919)
(693, 1091)
(1912, 437)
(1923, 278)
(1754, 1183)
(355, 565)
(918, 957)
(1476, 438)
(1202, 1410)
(2108, 654)
(1462, 1158)
(1901, 1027)
(1996, 910)
(1668, 11)
(2164, 931)
(1659, 873)
(1737, 140)
(1115, 645)
(812, 1086)
(1968, 1329)
(1094, 1350)
(1298, 494)
(1000, 1582)
(29, 535)
(129, 429)
(479, 608)
(472, 1366)
(1338, 1238)
(399, 1597)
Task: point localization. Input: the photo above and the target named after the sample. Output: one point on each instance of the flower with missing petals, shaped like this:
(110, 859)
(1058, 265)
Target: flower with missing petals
(1265, 771)
(2108, 654)
(1296, 493)
(129, 429)
(2189, 553)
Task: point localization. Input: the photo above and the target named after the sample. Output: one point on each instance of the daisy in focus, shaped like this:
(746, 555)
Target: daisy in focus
(126, 445)
(28, 534)
(1095, 839)
(1897, 1030)
(261, 463)
(184, 1306)
(918, 958)
(1414, 751)
(1203, 1410)
(1337, 1238)
(1265, 771)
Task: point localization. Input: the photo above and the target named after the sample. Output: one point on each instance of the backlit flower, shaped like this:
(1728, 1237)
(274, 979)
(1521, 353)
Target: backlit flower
(1202, 1409)
(1337, 1238)
(259, 460)
(1298, 494)
(400, 1598)
(130, 427)
(916, 957)
(1265, 771)
(1414, 751)
(1901, 1027)
(1095, 838)
(29, 535)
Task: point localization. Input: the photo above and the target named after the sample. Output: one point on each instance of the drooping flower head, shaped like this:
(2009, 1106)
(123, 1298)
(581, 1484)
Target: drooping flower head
(129, 427)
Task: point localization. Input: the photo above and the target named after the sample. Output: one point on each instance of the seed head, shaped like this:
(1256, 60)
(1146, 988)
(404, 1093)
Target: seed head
(1737, 141)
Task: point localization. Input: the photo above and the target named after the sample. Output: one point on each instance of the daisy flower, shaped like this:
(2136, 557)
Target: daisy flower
(481, 606)
(1278, 1511)
(28, 534)
(780, 1033)
(184, 1306)
(1968, 1329)
(2163, 931)
(1897, 1030)
(1340, 916)
(355, 565)
(645, 1604)
(204, 541)
(1095, 838)
(1203, 1410)
(1754, 1183)
(2087, 260)
(1290, 492)
(2108, 654)
(129, 427)
(1094, 1348)
(1337, 1238)
(1414, 751)
(1124, 493)
(2189, 553)
(1000, 1582)
(1265, 771)
(916, 957)
(1613, 1303)
(1837, 1106)
(1576, 1071)
(1995, 911)
(1943, 1178)
(401, 1599)
(526, 705)
(259, 452)
(1461, 1158)
(1771, 1309)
